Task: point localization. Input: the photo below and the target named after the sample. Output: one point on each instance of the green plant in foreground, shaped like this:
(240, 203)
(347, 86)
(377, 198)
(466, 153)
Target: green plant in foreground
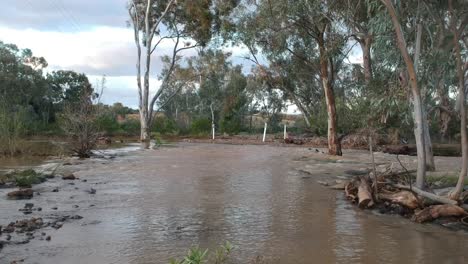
(27, 178)
(199, 256)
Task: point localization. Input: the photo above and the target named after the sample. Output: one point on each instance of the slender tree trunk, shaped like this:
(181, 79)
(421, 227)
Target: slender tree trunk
(304, 111)
(455, 194)
(365, 44)
(444, 107)
(334, 145)
(430, 164)
(417, 104)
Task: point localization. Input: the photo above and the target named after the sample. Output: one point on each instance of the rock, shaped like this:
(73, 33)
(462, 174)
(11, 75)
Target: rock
(69, 176)
(75, 206)
(55, 190)
(57, 225)
(54, 208)
(323, 183)
(9, 229)
(29, 205)
(91, 191)
(50, 176)
(48, 238)
(84, 180)
(21, 194)
(76, 217)
(67, 164)
(8, 238)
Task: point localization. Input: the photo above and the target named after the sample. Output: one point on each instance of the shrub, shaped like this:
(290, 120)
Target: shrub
(199, 256)
(12, 127)
(165, 126)
(130, 127)
(201, 126)
(26, 178)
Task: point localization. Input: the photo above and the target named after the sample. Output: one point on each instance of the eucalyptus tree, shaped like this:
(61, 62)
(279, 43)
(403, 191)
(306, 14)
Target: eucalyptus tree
(458, 30)
(416, 93)
(185, 24)
(212, 67)
(307, 30)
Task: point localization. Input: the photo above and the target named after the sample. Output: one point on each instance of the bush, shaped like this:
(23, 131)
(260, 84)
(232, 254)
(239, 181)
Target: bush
(108, 124)
(165, 126)
(130, 127)
(12, 127)
(25, 178)
(198, 256)
(201, 126)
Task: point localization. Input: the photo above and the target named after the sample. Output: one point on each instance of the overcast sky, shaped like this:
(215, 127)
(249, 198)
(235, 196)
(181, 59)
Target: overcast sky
(87, 36)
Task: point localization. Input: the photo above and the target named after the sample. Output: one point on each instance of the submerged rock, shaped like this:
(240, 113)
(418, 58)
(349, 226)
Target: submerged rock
(21, 194)
(91, 191)
(69, 176)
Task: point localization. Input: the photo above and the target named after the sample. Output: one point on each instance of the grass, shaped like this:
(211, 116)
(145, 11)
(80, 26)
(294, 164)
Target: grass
(444, 181)
(24, 178)
(196, 255)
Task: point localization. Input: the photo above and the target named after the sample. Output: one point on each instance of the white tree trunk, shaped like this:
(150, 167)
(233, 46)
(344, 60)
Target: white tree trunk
(462, 97)
(264, 132)
(285, 134)
(417, 104)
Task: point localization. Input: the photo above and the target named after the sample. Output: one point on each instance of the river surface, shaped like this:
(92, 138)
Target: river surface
(153, 205)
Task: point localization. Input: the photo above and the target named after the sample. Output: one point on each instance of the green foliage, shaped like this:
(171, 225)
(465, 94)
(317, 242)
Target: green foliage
(165, 126)
(107, 123)
(130, 127)
(13, 123)
(201, 126)
(199, 256)
(26, 178)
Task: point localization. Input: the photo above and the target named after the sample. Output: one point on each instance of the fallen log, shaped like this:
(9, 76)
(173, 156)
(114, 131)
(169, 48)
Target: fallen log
(364, 194)
(435, 211)
(405, 198)
(427, 195)
(350, 191)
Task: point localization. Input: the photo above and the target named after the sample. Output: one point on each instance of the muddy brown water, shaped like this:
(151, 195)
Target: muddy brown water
(154, 205)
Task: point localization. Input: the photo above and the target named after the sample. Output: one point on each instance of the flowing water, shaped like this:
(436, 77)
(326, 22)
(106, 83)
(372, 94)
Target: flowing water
(154, 205)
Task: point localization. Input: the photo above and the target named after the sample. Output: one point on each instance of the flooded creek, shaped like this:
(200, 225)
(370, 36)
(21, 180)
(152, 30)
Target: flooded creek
(153, 205)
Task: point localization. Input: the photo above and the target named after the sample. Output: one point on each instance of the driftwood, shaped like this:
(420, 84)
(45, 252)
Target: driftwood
(350, 191)
(405, 198)
(427, 195)
(436, 211)
(364, 193)
(399, 150)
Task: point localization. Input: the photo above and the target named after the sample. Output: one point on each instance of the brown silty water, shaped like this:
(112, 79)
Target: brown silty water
(153, 205)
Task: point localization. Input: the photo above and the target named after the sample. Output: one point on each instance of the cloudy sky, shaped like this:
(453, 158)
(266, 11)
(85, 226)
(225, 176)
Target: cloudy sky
(88, 36)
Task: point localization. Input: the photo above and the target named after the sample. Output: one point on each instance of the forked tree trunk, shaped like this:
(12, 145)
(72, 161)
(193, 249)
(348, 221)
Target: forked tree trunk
(334, 145)
(455, 194)
(417, 104)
